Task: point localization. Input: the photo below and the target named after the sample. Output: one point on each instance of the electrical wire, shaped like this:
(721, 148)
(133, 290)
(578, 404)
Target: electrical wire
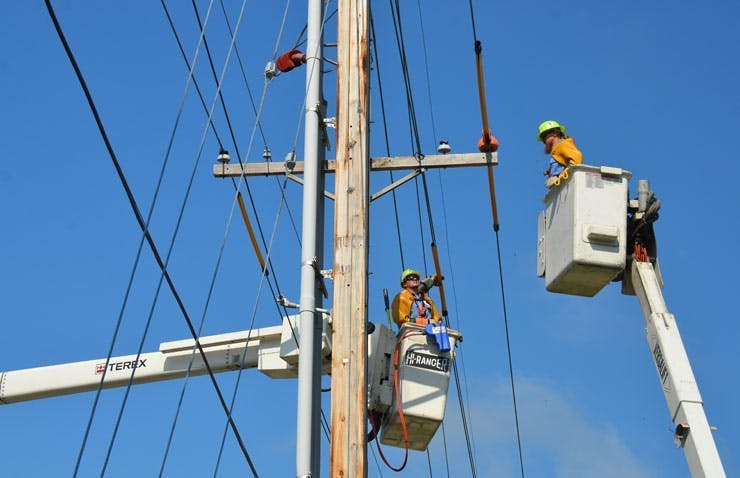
(137, 212)
(416, 139)
(202, 323)
(257, 123)
(254, 110)
(251, 327)
(375, 458)
(429, 462)
(280, 313)
(385, 135)
(162, 276)
(226, 112)
(460, 357)
(268, 248)
(136, 262)
(498, 252)
(508, 351)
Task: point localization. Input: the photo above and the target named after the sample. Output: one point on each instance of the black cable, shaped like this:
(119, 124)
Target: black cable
(398, 30)
(205, 108)
(189, 67)
(140, 220)
(472, 21)
(508, 350)
(375, 457)
(503, 296)
(175, 418)
(413, 126)
(455, 373)
(385, 131)
(233, 136)
(429, 462)
(397, 24)
(426, 70)
(241, 68)
(132, 276)
(254, 110)
(444, 444)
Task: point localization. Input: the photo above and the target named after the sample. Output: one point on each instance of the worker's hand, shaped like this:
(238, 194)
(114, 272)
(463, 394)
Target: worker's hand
(437, 279)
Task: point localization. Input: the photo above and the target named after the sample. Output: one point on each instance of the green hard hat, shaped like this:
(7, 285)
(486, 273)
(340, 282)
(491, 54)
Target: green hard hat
(547, 126)
(408, 272)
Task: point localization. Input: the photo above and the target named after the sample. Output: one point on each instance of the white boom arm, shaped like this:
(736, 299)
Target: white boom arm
(272, 350)
(693, 433)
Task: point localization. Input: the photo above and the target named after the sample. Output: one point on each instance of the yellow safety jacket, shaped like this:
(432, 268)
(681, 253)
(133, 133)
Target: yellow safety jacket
(408, 307)
(566, 152)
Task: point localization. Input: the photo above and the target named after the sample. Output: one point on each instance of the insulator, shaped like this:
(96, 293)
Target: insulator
(444, 147)
(223, 156)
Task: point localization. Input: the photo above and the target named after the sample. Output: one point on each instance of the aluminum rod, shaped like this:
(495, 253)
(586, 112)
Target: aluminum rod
(309, 363)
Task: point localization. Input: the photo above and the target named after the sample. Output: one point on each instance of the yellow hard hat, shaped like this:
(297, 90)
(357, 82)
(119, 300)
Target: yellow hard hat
(408, 272)
(547, 126)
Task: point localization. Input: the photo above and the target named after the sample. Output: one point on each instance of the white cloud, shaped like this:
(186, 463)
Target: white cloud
(558, 439)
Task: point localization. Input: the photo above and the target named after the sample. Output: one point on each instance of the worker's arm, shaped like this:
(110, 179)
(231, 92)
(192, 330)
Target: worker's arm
(428, 283)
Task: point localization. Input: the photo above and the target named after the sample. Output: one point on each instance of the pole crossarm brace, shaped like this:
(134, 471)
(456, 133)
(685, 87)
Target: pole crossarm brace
(396, 184)
(298, 180)
(377, 164)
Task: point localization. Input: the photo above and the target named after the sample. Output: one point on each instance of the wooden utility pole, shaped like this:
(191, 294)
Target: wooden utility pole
(349, 313)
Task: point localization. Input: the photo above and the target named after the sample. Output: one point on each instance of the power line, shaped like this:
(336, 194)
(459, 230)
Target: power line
(268, 247)
(254, 110)
(508, 351)
(477, 44)
(137, 213)
(385, 134)
(398, 28)
(136, 262)
(171, 248)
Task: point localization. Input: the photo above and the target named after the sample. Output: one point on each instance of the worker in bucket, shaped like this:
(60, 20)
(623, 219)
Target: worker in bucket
(561, 148)
(412, 304)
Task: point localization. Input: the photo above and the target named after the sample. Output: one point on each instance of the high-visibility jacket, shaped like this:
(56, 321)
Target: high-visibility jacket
(408, 307)
(566, 152)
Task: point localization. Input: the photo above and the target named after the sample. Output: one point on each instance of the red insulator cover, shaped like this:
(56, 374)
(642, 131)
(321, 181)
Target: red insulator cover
(289, 60)
(488, 143)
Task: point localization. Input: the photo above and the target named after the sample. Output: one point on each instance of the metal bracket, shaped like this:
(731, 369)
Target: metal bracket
(286, 303)
(290, 162)
(319, 277)
(330, 122)
(270, 70)
(681, 434)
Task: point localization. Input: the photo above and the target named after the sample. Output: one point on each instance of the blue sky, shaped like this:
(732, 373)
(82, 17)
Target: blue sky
(650, 88)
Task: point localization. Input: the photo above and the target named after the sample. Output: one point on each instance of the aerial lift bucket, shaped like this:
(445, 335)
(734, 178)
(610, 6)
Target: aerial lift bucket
(582, 233)
(423, 379)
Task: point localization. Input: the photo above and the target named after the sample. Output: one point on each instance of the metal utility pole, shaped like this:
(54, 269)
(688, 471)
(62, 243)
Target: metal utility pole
(349, 313)
(308, 440)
